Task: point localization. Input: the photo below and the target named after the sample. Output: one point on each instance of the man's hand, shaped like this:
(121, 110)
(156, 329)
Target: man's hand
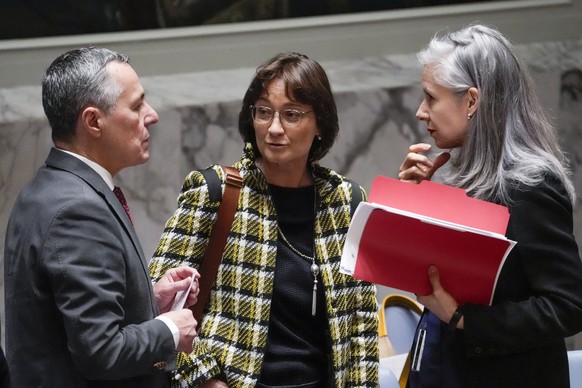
(176, 279)
(417, 167)
(186, 324)
(214, 383)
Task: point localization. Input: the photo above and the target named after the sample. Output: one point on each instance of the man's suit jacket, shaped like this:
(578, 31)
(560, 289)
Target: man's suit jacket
(79, 301)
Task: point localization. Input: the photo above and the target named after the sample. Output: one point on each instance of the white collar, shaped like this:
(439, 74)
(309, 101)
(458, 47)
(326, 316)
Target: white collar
(103, 173)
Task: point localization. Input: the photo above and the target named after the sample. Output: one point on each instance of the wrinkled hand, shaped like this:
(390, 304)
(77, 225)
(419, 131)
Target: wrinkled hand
(174, 280)
(417, 167)
(186, 324)
(214, 383)
(439, 302)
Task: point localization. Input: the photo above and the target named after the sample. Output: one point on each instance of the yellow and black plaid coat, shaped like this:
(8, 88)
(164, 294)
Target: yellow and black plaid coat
(233, 338)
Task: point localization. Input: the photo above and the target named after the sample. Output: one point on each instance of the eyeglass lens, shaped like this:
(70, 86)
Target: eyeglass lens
(264, 115)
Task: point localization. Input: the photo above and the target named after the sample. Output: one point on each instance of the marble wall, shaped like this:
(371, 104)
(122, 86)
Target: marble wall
(377, 99)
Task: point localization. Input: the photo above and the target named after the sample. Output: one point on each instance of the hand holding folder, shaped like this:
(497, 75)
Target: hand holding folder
(405, 228)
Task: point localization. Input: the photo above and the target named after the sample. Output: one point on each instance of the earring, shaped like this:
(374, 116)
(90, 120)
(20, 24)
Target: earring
(469, 116)
(318, 137)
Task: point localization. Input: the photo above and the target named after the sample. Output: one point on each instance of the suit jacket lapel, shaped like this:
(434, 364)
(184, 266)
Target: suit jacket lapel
(64, 161)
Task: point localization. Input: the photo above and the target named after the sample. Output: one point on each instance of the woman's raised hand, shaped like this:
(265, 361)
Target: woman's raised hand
(418, 167)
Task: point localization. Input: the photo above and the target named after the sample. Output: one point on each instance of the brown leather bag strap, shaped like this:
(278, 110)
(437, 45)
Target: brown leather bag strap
(213, 255)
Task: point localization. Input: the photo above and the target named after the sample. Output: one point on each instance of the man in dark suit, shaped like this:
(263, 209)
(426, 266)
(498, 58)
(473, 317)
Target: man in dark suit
(80, 307)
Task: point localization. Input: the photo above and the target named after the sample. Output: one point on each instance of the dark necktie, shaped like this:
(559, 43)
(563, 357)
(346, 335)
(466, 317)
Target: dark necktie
(119, 194)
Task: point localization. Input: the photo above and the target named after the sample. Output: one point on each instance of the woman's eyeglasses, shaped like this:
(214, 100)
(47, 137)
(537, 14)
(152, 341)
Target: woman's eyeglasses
(264, 115)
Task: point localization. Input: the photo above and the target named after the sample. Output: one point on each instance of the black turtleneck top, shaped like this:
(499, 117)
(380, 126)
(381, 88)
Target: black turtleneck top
(297, 343)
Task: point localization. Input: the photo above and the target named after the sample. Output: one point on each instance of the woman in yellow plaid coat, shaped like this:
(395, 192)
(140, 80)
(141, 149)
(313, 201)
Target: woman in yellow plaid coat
(280, 313)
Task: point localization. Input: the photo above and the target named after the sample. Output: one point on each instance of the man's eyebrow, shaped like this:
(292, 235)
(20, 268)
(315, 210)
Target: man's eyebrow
(141, 97)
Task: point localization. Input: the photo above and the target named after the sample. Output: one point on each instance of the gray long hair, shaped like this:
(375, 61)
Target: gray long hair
(510, 140)
(74, 80)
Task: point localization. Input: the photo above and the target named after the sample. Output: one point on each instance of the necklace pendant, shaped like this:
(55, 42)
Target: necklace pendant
(314, 298)
(315, 272)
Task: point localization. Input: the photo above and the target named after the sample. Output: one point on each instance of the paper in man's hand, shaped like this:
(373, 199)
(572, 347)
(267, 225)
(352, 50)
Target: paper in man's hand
(182, 296)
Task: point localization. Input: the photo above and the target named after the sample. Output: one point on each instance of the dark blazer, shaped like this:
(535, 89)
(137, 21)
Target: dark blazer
(79, 301)
(519, 342)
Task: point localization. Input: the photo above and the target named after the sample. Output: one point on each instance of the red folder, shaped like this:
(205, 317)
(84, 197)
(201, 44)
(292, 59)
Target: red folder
(404, 228)
(440, 201)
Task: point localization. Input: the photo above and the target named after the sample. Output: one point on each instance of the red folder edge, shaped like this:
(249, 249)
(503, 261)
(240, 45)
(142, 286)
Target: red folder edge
(440, 201)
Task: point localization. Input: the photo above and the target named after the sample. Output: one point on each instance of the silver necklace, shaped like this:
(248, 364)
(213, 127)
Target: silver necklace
(314, 268)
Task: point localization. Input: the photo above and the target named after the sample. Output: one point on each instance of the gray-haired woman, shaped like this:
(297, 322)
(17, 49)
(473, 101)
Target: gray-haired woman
(479, 103)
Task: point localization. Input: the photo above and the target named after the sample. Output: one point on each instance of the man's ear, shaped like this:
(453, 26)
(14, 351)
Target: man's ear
(91, 121)
(473, 100)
